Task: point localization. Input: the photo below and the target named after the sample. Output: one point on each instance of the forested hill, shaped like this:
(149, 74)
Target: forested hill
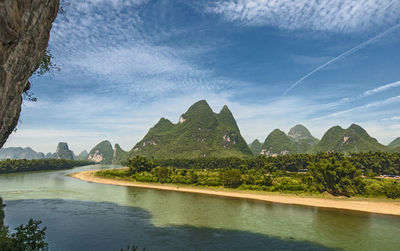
(199, 133)
(395, 143)
(352, 139)
(299, 140)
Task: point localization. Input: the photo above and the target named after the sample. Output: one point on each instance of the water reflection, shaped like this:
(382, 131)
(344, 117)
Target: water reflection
(77, 225)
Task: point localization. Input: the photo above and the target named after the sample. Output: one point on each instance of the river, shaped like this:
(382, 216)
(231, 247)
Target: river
(80, 215)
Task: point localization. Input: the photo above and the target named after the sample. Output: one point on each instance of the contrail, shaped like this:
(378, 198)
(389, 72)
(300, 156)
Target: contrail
(344, 54)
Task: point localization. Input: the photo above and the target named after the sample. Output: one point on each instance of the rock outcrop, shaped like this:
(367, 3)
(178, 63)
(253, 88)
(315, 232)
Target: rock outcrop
(102, 153)
(63, 151)
(24, 34)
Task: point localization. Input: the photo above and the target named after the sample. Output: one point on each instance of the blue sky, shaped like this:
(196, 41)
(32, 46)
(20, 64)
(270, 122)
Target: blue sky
(125, 64)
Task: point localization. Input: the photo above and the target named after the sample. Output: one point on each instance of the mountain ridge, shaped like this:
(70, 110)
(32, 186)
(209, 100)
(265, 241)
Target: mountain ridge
(199, 133)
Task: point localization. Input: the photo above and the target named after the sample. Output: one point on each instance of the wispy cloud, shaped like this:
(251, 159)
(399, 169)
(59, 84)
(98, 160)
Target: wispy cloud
(380, 89)
(124, 54)
(365, 94)
(371, 105)
(323, 15)
(344, 54)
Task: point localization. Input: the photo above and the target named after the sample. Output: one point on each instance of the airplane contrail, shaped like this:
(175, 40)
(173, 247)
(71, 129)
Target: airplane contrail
(344, 54)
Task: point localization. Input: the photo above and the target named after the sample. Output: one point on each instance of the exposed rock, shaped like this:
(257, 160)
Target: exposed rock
(96, 156)
(102, 153)
(24, 34)
(63, 151)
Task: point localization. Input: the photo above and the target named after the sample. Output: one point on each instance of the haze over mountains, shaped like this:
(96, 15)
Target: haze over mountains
(62, 152)
(202, 133)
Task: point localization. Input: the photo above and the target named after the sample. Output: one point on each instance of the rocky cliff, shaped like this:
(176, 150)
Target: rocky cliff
(24, 34)
(63, 151)
(102, 153)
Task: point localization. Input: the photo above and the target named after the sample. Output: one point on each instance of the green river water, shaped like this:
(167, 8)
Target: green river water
(164, 220)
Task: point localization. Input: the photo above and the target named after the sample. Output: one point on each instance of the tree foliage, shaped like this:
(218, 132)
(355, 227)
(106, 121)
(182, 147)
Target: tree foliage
(232, 178)
(23, 165)
(24, 238)
(140, 164)
(334, 173)
(335, 177)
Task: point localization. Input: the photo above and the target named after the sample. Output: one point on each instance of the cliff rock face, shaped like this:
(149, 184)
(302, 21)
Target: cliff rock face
(63, 151)
(102, 153)
(24, 34)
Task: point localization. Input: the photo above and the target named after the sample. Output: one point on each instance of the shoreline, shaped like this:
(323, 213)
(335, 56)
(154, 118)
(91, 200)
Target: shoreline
(366, 206)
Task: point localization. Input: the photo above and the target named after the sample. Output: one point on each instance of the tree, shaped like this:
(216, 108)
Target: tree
(25, 238)
(140, 164)
(161, 173)
(335, 177)
(232, 178)
(392, 190)
(29, 237)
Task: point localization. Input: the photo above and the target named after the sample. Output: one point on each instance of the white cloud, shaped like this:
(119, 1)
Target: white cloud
(357, 109)
(380, 89)
(323, 15)
(365, 94)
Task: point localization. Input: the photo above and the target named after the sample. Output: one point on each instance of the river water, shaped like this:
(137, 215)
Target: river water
(81, 215)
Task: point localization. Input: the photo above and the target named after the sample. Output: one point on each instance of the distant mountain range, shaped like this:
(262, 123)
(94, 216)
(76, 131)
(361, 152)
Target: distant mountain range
(20, 153)
(62, 152)
(336, 139)
(202, 133)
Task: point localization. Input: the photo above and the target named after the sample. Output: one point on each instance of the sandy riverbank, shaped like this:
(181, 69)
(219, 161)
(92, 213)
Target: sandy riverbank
(370, 206)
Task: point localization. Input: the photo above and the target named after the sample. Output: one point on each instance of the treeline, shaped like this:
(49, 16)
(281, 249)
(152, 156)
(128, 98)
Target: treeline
(332, 173)
(369, 163)
(23, 165)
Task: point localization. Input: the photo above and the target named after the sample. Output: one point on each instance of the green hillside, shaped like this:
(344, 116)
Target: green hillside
(255, 147)
(302, 139)
(277, 143)
(395, 143)
(102, 153)
(119, 155)
(352, 139)
(200, 132)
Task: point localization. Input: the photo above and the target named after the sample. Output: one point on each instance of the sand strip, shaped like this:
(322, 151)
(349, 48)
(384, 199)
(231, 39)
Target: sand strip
(389, 207)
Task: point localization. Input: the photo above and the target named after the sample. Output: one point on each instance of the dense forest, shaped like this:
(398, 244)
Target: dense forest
(334, 173)
(23, 165)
